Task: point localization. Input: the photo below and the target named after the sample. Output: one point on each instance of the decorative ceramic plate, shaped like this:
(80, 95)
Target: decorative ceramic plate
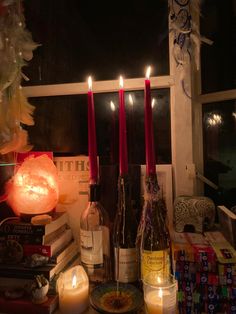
(106, 299)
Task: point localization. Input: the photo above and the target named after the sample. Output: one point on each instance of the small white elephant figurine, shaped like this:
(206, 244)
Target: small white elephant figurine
(196, 211)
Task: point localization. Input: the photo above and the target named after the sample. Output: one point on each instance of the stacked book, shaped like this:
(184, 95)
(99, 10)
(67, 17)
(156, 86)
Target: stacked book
(27, 250)
(206, 278)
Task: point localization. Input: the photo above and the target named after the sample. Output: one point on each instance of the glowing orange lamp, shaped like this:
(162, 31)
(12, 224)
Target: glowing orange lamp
(33, 190)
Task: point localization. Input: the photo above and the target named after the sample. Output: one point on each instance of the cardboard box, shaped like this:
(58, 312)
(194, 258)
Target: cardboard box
(227, 220)
(73, 172)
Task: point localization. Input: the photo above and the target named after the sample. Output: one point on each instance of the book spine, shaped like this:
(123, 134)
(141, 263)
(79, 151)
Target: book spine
(29, 250)
(22, 228)
(25, 305)
(24, 274)
(23, 238)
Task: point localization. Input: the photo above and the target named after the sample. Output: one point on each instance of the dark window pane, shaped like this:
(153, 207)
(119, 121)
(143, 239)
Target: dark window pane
(220, 150)
(104, 39)
(218, 23)
(61, 125)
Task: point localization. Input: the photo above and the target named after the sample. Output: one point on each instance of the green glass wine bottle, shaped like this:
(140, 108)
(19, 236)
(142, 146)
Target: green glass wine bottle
(125, 231)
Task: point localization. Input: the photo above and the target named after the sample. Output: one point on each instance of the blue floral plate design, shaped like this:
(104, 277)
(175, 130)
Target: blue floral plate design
(105, 298)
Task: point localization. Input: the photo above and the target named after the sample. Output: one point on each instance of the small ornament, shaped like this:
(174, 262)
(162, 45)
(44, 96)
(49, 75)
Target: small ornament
(36, 260)
(195, 211)
(39, 289)
(11, 252)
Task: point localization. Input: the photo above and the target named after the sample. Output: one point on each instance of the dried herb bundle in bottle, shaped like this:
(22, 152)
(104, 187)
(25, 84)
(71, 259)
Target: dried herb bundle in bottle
(153, 240)
(125, 231)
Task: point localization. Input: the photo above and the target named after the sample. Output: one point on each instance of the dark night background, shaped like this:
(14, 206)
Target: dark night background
(82, 37)
(79, 38)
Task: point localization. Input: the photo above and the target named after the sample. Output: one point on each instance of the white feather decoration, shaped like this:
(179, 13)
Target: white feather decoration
(16, 45)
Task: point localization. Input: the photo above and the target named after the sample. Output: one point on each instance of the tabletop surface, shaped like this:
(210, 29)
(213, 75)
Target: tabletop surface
(92, 311)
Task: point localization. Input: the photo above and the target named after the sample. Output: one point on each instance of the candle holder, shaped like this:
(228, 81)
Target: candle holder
(73, 290)
(159, 293)
(119, 298)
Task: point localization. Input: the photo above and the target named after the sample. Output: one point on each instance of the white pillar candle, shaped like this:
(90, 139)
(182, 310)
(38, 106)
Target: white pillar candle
(73, 289)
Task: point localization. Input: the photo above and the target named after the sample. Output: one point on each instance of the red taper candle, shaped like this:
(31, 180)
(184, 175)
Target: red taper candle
(149, 140)
(92, 144)
(123, 159)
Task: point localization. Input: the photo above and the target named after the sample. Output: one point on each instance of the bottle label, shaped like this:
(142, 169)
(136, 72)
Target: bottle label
(91, 247)
(106, 241)
(128, 265)
(155, 261)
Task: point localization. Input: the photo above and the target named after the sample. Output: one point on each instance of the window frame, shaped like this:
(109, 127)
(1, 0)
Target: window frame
(182, 152)
(218, 96)
(98, 87)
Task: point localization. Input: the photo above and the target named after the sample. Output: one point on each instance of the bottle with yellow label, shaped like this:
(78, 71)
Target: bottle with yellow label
(153, 238)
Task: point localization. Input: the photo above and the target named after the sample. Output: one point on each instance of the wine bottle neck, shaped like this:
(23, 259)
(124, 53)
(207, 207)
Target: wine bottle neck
(124, 193)
(94, 192)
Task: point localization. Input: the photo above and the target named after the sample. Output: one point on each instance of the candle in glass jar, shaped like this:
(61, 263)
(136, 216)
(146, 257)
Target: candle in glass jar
(160, 293)
(160, 302)
(73, 289)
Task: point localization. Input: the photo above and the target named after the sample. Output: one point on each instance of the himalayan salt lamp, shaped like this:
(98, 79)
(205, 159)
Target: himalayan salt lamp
(33, 190)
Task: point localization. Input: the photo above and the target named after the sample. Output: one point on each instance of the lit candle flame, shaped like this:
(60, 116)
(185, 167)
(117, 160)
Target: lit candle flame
(158, 279)
(160, 293)
(131, 100)
(121, 82)
(148, 72)
(112, 105)
(90, 83)
(74, 281)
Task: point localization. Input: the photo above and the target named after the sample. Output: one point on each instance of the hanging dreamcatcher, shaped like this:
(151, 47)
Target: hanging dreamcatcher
(16, 48)
(187, 39)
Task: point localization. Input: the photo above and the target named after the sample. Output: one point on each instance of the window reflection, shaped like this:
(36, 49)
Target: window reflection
(220, 150)
(218, 67)
(61, 125)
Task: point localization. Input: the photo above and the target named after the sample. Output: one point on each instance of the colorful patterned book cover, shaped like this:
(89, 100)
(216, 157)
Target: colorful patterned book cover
(192, 247)
(224, 251)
